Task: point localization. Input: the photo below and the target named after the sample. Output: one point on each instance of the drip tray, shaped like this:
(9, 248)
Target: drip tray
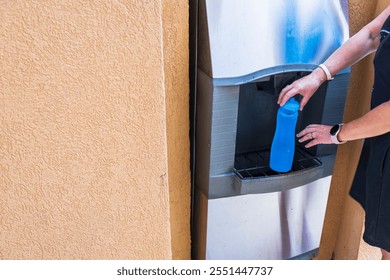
(256, 164)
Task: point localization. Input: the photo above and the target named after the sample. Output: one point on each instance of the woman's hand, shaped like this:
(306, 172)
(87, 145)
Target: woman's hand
(305, 86)
(316, 134)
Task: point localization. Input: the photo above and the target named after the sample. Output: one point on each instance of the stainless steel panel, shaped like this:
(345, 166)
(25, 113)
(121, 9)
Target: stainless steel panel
(277, 225)
(238, 38)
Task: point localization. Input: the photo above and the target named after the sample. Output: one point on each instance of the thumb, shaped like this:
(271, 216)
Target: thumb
(303, 102)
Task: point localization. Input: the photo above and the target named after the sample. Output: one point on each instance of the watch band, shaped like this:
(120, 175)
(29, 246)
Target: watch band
(334, 132)
(327, 72)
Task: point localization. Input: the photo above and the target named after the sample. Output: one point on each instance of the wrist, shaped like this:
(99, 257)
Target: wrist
(326, 71)
(335, 134)
(341, 135)
(319, 75)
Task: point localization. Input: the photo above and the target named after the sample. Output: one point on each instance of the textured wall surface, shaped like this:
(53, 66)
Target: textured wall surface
(176, 74)
(83, 149)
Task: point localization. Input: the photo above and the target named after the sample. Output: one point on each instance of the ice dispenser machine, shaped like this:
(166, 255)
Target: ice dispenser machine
(247, 51)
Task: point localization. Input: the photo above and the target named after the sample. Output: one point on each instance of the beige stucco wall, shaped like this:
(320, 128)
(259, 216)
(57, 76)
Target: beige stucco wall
(176, 73)
(344, 217)
(84, 148)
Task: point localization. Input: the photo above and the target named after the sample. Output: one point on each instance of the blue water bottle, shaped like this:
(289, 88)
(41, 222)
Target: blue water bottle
(283, 144)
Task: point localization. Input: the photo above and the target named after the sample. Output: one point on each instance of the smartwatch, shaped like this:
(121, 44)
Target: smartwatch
(334, 131)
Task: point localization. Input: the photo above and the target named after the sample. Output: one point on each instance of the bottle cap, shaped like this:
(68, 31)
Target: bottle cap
(291, 105)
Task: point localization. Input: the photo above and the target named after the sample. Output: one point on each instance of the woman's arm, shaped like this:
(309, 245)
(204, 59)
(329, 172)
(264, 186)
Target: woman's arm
(375, 122)
(355, 48)
(358, 46)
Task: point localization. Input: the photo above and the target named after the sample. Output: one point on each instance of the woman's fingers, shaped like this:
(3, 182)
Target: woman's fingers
(308, 129)
(304, 101)
(305, 86)
(286, 95)
(283, 93)
(316, 134)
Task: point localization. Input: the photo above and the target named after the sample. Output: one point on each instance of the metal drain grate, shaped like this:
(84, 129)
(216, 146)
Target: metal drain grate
(256, 164)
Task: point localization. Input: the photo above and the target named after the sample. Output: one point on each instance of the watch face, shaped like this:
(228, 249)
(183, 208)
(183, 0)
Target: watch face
(334, 129)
